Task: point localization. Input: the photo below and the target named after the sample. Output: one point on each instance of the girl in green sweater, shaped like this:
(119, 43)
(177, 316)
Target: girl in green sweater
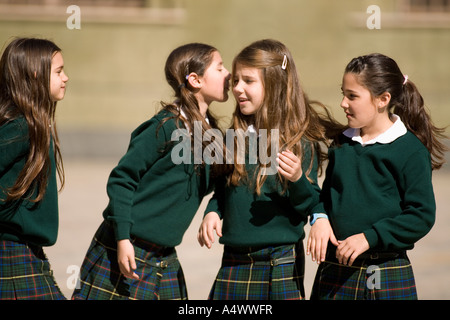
(377, 194)
(264, 212)
(32, 81)
(152, 198)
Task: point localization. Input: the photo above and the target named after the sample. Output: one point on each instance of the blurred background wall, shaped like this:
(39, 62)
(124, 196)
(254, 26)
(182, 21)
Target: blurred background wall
(115, 50)
(115, 60)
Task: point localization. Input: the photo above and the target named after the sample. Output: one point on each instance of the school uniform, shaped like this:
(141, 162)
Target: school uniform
(152, 202)
(25, 227)
(382, 189)
(262, 236)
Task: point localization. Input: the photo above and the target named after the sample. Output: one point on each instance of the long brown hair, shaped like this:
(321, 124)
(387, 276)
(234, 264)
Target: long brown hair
(285, 107)
(188, 58)
(379, 74)
(25, 69)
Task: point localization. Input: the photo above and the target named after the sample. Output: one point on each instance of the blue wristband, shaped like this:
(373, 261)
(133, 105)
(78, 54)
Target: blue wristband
(316, 216)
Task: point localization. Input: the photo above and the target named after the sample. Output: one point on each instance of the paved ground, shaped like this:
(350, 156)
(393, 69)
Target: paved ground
(84, 198)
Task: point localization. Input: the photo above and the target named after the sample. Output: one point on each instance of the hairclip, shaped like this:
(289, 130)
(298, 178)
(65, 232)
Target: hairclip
(283, 65)
(406, 79)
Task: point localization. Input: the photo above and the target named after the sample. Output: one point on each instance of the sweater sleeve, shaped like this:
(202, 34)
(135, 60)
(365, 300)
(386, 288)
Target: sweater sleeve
(304, 194)
(418, 204)
(215, 204)
(146, 146)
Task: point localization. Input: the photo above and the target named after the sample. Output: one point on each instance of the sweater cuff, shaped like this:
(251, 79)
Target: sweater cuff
(301, 186)
(371, 237)
(212, 206)
(122, 230)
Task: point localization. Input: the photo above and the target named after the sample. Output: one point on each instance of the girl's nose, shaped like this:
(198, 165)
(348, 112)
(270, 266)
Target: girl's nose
(344, 103)
(237, 87)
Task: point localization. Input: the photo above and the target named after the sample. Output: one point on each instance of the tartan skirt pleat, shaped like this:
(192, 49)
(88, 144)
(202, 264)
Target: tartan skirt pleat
(367, 279)
(25, 273)
(270, 273)
(160, 274)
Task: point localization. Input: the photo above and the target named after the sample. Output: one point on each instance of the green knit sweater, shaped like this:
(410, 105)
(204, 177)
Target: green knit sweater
(271, 218)
(149, 196)
(381, 190)
(24, 221)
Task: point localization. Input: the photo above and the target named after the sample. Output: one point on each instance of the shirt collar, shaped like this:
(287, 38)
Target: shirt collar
(183, 114)
(251, 128)
(397, 130)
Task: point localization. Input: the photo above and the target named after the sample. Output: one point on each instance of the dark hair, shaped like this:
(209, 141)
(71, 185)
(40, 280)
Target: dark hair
(25, 69)
(188, 58)
(379, 74)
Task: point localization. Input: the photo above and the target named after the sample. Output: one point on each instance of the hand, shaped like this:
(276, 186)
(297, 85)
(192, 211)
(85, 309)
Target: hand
(289, 165)
(125, 258)
(349, 249)
(319, 235)
(205, 234)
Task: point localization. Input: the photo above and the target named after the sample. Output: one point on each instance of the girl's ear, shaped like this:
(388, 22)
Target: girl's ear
(194, 80)
(383, 100)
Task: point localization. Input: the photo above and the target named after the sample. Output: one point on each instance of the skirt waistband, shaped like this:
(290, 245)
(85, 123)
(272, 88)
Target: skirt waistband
(269, 255)
(149, 253)
(368, 257)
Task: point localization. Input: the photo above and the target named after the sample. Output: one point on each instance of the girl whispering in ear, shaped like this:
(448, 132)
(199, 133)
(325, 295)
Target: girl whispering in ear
(152, 199)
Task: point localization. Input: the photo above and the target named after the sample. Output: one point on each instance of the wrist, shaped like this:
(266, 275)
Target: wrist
(316, 216)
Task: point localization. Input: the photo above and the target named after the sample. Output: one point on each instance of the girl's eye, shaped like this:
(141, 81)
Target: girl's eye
(349, 96)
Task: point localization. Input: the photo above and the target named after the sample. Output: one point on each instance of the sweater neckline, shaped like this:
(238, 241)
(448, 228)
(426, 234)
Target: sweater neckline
(397, 130)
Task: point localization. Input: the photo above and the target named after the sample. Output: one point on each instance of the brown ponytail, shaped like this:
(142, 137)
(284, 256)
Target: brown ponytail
(380, 74)
(188, 58)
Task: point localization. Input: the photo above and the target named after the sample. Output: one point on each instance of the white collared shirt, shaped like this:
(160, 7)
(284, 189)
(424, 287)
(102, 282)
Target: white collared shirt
(183, 114)
(251, 128)
(397, 130)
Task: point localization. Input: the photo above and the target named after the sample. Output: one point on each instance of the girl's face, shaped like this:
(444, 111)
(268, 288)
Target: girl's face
(248, 89)
(58, 78)
(360, 108)
(215, 81)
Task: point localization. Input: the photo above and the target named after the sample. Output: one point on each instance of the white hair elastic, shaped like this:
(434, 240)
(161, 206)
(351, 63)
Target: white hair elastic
(406, 79)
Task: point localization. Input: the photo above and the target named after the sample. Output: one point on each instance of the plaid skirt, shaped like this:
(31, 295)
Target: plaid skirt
(25, 273)
(269, 273)
(366, 279)
(158, 268)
